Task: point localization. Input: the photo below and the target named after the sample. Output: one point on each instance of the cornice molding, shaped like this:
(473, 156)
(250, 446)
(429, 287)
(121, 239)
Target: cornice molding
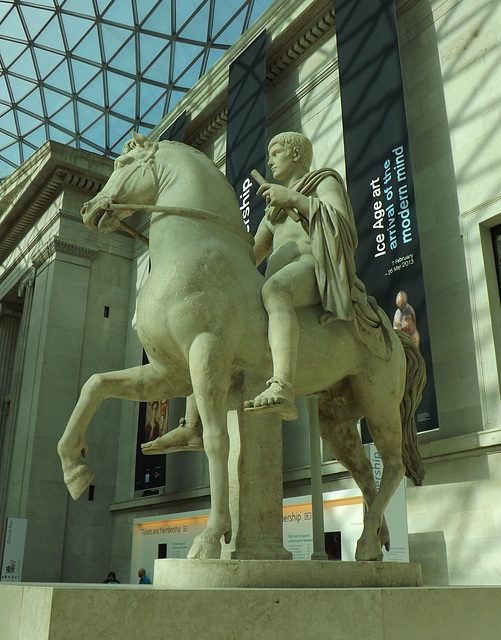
(278, 64)
(56, 245)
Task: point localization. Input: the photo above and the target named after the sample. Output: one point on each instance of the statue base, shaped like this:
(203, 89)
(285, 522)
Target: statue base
(93, 612)
(279, 574)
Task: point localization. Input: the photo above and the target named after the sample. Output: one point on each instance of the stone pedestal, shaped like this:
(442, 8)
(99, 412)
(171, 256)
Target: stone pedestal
(94, 612)
(296, 574)
(256, 478)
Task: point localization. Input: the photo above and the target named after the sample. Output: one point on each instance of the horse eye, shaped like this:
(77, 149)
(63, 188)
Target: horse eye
(121, 161)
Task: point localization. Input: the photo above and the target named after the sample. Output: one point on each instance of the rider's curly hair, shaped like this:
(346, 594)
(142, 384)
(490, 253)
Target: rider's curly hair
(292, 139)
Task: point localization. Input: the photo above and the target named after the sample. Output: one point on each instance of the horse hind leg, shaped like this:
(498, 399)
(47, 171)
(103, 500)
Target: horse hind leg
(386, 431)
(339, 432)
(138, 383)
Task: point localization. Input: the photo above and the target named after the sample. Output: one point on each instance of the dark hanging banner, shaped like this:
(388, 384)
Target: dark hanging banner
(379, 174)
(246, 142)
(155, 418)
(175, 131)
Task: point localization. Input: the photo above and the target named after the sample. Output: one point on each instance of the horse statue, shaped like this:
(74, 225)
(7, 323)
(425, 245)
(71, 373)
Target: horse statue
(202, 324)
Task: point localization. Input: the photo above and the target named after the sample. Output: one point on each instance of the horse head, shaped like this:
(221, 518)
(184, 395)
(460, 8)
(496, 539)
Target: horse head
(134, 180)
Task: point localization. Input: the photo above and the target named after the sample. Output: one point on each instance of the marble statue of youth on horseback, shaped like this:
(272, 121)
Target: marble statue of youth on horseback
(308, 326)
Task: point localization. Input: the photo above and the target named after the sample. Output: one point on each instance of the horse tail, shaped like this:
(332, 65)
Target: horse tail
(415, 380)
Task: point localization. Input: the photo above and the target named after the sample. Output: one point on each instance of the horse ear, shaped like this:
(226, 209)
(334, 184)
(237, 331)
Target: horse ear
(139, 139)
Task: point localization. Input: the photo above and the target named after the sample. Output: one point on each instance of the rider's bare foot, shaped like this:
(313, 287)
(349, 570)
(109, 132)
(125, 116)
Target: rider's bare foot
(278, 398)
(186, 437)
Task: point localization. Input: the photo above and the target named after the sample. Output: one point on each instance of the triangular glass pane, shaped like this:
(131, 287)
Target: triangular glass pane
(75, 28)
(127, 104)
(51, 36)
(60, 136)
(36, 18)
(196, 28)
(103, 4)
(4, 9)
(85, 7)
(159, 70)
(82, 73)
(125, 60)
(26, 122)
(117, 86)
(155, 112)
(11, 50)
(232, 32)
(47, 61)
(24, 65)
(89, 48)
(96, 133)
(258, 9)
(144, 7)
(86, 116)
(118, 129)
(175, 97)
(94, 91)
(65, 117)
(4, 91)
(54, 101)
(149, 95)
(222, 15)
(120, 12)
(33, 102)
(11, 153)
(60, 77)
(7, 122)
(214, 55)
(160, 20)
(20, 88)
(12, 24)
(185, 55)
(149, 48)
(114, 38)
(36, 137)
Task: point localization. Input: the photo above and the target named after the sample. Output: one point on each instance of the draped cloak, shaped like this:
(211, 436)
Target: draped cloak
(334, 239)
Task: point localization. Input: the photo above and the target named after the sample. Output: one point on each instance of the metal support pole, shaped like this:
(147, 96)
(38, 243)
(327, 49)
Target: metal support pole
(317, 499)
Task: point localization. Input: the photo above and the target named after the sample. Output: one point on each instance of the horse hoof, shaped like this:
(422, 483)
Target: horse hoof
(78, 480)
(368, 552)
(205, 547)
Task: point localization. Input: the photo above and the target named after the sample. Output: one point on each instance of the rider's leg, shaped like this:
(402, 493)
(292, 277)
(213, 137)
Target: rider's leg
(186, 437)
(292, 287)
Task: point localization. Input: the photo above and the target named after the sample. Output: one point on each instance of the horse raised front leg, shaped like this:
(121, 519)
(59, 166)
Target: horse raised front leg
(139, 383)
(210, 374)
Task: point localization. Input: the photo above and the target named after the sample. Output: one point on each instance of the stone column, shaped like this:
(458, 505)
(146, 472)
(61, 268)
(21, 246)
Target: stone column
(256, 487)
(7, 431)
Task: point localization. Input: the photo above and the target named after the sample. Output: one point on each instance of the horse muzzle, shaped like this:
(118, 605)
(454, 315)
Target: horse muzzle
(97, 213)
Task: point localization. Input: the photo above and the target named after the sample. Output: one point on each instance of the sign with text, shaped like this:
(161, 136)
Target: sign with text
(379, 173)
(246, 142)
(13, 550)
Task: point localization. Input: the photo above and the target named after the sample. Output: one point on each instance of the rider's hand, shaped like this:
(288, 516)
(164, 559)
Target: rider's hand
(278, 196)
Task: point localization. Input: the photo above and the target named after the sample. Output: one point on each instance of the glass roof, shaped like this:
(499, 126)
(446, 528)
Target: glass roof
(86, 72)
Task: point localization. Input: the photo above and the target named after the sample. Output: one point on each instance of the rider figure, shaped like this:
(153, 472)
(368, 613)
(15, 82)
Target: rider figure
(291, 280)
(309, 236)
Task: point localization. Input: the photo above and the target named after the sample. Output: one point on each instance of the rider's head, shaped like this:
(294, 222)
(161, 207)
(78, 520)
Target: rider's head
(295, 143)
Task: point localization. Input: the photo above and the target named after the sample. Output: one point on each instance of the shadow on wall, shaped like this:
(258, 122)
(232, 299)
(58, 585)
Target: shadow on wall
(429, 549)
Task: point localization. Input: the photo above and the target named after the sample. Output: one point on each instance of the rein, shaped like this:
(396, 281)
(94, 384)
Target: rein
(177, 211)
